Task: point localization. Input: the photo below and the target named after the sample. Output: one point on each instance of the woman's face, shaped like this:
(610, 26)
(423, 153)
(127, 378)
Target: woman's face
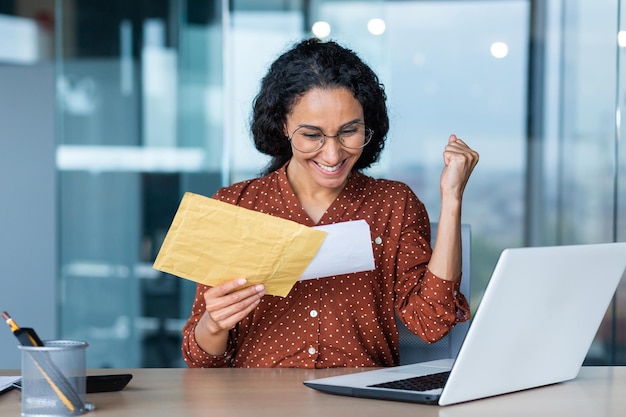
(332, 111)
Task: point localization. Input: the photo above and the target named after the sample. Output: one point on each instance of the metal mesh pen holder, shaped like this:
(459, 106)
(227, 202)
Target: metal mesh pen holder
(53, 378)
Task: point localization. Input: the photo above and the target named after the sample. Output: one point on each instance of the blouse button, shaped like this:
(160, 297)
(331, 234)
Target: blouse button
(378, 240)
(312, 350)
(313, 313)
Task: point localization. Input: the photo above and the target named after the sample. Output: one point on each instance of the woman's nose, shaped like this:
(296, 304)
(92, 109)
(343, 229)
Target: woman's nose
(332, 147)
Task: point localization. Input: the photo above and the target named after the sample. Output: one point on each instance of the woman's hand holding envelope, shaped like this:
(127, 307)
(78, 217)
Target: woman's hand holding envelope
(226, 305)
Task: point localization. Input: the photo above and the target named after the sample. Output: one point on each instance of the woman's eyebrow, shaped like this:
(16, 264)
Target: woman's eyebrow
(351, 123)
(340, 127)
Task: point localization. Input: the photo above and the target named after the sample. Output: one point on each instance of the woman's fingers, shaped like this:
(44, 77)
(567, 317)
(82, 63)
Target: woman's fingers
(228, 303)
(459, 162)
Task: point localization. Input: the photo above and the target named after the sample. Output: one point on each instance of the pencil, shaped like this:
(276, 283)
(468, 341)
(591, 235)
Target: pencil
(10, 321)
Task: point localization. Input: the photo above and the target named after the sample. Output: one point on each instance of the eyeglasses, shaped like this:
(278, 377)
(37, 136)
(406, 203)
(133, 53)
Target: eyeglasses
(309, 139)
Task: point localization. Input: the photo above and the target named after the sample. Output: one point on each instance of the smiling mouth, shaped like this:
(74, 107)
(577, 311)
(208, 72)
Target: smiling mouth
(329, 168)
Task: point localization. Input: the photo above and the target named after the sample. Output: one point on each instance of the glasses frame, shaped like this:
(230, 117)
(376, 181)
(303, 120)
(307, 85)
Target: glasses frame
(368, 137)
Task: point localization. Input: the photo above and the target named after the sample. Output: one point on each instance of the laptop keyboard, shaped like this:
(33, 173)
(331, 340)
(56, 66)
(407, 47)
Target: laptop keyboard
(418, 383)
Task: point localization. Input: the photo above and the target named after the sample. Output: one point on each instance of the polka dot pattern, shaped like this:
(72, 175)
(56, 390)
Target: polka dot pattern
(345, 320)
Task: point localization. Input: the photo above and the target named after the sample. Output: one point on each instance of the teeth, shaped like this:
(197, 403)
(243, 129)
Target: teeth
(329, 169)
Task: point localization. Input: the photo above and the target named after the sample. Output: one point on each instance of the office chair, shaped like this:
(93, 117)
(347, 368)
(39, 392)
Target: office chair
(412, 348)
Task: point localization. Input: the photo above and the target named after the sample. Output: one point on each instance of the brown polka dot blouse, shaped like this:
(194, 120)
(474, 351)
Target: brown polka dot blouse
(345, 320)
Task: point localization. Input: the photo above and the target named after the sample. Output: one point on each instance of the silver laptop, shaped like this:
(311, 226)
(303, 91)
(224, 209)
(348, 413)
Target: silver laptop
(534, 326)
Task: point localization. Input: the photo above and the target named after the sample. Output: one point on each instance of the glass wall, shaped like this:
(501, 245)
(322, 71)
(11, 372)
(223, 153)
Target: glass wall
(154, 99)
(577, 164)
(140, 92)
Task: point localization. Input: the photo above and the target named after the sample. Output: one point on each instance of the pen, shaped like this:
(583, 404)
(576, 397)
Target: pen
(28, 337)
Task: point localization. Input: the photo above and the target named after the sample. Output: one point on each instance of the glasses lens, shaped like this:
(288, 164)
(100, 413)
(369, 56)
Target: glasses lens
(355, 136)
(307, 139)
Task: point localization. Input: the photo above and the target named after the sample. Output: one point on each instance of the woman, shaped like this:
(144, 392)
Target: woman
(321, 115)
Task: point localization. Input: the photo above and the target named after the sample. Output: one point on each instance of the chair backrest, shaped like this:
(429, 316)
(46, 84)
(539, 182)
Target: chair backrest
(412, 348)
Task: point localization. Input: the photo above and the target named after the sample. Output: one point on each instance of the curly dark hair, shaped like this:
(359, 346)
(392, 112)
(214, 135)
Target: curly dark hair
(312, 63)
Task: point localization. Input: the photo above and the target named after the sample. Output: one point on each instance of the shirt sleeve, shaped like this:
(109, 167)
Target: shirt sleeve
(428, 305)
(193, 355)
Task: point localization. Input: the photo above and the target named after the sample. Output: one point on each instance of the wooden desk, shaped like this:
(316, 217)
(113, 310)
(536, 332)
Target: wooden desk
(598, 392)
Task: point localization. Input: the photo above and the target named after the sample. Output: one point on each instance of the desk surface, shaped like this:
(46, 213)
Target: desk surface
(598, 392)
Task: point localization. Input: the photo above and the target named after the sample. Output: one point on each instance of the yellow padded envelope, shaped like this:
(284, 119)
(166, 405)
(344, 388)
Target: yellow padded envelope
(210, 242)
